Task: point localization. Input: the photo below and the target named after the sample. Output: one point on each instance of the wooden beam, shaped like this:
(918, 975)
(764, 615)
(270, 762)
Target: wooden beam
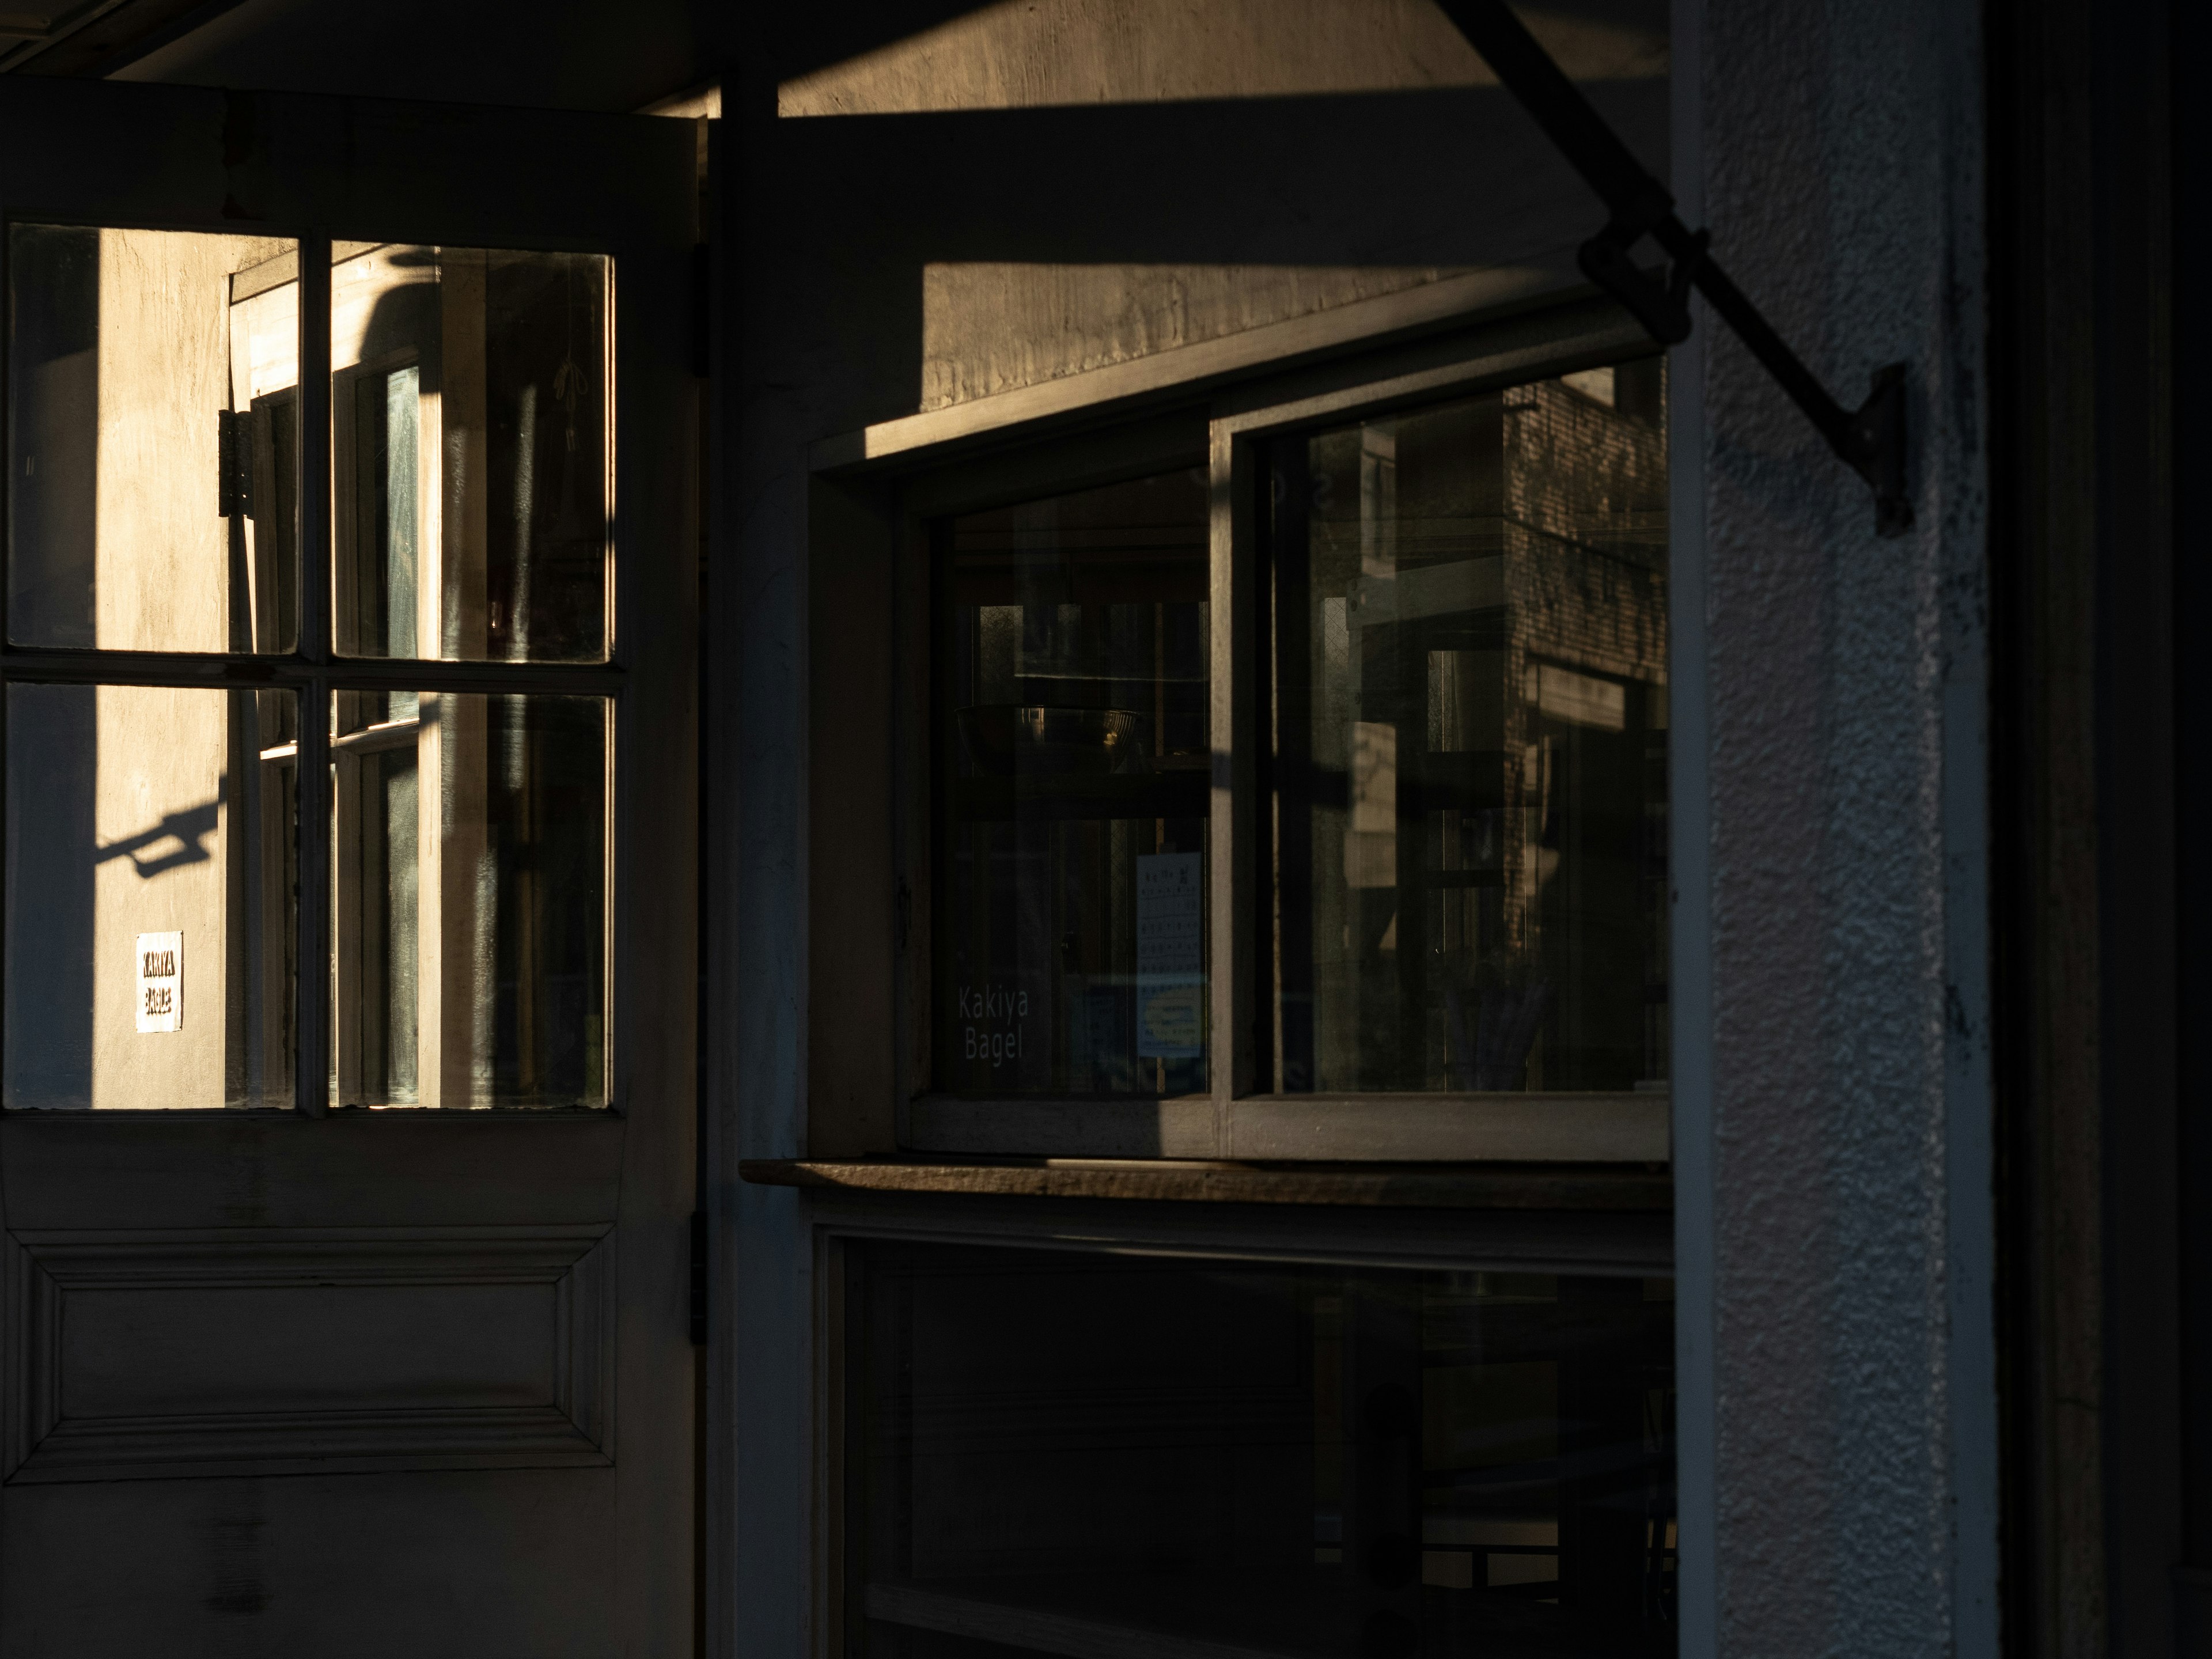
(1157, 1180)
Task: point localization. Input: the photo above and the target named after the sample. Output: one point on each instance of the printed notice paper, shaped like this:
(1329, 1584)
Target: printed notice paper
(1170, 956)
(161, 962)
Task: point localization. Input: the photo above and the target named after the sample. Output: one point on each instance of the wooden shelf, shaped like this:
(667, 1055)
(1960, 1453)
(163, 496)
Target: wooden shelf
(1418, 1186)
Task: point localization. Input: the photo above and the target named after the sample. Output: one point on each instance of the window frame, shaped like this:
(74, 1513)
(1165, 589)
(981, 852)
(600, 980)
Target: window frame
(313, 672)
(870, 528)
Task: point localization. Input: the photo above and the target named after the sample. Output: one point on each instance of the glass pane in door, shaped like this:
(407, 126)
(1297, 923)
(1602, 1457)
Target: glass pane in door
(469, 397)
(1071, 692)
(153, 449)
(151, 897)
(1470, 755)
(469, 839)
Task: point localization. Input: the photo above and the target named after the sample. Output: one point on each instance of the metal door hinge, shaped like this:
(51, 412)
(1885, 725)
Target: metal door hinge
(703, 309)
(1871, 439)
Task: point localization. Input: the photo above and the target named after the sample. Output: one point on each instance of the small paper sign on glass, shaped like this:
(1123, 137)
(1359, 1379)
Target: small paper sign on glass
(1170, 946)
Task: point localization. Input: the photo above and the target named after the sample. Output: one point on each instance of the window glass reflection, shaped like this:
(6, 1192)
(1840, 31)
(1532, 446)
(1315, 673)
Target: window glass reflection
(151, 897)
(1470, 755)
(1101, 1453)
(1072, 742)
(153, 439)
(470, 889)
(468, 407)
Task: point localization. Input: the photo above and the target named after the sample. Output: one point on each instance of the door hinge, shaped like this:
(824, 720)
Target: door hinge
(699, 1259)
(703, 309)
(1870, 439)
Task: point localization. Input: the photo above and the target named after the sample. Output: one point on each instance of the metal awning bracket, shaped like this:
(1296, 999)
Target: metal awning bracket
(1871, 439)
(1663, 308)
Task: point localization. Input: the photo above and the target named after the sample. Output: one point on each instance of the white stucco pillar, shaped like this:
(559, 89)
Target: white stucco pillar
(1833, 1116)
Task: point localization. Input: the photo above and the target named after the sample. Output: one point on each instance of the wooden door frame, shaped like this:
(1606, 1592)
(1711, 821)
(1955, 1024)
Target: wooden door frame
(317, 168)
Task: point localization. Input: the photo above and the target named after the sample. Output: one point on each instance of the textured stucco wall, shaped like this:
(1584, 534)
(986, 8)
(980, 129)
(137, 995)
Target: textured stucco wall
(1840, 1187)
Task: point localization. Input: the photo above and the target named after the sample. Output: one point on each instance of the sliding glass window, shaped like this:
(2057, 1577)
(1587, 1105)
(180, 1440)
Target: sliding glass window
(1073, 675)
(1331, 776)
(1467, 768)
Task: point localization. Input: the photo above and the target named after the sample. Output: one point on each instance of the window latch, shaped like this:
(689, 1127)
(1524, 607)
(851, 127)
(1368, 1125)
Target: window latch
(1870, 439)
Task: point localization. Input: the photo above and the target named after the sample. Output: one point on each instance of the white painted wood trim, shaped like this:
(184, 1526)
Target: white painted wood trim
(1518, 1128)
(1690, 980)
(1577, 1128)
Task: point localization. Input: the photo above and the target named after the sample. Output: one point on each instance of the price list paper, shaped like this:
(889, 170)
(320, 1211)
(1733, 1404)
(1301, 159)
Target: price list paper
(1170, 956)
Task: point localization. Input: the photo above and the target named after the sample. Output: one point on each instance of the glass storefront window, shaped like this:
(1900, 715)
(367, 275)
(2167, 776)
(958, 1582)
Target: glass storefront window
(1468, 759)
(1092, 1453)
(1072, 755)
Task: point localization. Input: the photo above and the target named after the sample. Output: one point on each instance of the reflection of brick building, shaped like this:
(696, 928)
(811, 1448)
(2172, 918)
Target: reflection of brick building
(1481, 668)
(1584, 482)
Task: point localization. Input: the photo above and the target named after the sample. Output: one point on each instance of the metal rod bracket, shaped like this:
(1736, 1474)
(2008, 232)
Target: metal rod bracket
(1663, 308)
(1872, 438)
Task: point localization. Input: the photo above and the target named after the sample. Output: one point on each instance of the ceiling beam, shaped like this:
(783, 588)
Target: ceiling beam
(97, 37)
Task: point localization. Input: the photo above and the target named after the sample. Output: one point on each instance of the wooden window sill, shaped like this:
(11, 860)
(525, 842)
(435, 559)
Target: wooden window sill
(1418, 1186)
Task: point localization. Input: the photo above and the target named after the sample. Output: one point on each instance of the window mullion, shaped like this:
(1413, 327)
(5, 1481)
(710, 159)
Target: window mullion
(1231, 862)
(315, 448)
(313, 989)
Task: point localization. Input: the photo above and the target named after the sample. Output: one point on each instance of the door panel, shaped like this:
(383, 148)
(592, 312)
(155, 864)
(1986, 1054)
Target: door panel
(321, 1564)
(415, 1376)
(378, 1350)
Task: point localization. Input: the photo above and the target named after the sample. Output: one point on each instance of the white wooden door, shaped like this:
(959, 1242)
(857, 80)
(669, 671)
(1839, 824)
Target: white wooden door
(346, 1155)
